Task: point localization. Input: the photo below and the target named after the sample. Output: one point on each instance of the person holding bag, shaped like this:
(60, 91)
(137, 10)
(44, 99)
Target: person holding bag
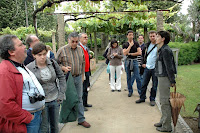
(47, 72)
(165, 71)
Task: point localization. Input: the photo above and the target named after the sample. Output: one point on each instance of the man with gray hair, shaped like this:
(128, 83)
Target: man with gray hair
(71, 59)
(31, 40)
(83, 39)
(21, 95)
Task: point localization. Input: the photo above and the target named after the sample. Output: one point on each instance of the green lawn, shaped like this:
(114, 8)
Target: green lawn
(188, 83)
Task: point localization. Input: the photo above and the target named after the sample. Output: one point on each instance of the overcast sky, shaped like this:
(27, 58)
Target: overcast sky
(184, 7)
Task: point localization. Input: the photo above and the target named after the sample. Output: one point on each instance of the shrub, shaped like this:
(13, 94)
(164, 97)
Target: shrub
(188, 53)
(101, 58)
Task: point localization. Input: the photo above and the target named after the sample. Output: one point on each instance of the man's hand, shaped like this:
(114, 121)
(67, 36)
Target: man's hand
(144, 65)
(173, 85)
(131, 44)
(83, 76)
(66, 69)
(32, 117)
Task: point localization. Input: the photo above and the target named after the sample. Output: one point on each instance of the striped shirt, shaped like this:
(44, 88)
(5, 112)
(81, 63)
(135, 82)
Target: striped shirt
(66, 56)
(139, 57)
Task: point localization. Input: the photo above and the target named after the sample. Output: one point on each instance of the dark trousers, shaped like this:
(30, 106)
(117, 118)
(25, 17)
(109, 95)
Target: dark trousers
(148, 73)
(86, 83)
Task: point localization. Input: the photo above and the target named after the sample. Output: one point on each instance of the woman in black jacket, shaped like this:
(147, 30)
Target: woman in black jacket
(165, 71)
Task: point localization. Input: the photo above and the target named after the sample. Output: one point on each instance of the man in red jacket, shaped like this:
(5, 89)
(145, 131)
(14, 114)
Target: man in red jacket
(13, 118)
(83, 40)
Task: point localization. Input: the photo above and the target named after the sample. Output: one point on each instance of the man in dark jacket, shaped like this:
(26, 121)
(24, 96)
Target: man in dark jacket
(31, 40)
(149, 61)
(165, 71)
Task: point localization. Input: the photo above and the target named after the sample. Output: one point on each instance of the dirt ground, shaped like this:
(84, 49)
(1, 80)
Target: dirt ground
(192, 123)
(115, 112)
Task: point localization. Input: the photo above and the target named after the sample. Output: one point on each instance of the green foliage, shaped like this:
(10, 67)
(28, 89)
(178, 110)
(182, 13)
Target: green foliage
(22, 32)
(101, 58)
(13, 15)
(188, 53)
(187, 83)
(98, 43)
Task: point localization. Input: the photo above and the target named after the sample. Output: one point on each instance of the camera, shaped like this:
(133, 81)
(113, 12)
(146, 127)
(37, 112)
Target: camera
(36, 97)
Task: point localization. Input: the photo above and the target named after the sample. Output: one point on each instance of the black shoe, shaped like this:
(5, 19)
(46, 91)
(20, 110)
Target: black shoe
(129, 94)
(163, 130)
(88, 105)
(140, 101)
(113, 90)
(152, 103)
(85, 109)
(158, 124)
(119, 90)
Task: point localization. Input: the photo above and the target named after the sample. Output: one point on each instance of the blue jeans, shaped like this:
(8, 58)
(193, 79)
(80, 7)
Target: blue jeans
(148, 73)
(34, 125)
(130, 77)
(138, 81)
(79, 88)
(50, 116)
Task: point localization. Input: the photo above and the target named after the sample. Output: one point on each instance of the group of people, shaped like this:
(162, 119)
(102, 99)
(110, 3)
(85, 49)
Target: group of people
(32, 85)
(153, 60)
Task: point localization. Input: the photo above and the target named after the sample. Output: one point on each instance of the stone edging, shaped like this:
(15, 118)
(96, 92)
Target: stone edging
(181, 121)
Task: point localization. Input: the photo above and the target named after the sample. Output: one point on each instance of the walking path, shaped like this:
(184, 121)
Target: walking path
(115, 112)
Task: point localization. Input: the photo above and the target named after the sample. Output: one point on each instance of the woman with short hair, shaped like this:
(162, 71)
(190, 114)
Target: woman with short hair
(47, 72)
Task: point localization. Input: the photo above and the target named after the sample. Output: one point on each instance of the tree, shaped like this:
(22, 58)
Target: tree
(194, 11)
(13, 15)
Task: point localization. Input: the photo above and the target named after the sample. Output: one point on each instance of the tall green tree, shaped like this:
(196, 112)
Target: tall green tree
(13, 15)
(193, 12)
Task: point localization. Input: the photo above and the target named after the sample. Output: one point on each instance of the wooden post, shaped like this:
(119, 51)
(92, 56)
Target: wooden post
(61, 30)
(146, 39)
(54, 42)
(160, 21)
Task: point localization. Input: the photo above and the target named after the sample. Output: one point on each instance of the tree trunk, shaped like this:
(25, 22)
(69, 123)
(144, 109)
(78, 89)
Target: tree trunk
(107, 40)
(146, 39)
(61, 31)
(54, 42)
(90, 41)
(95, 47)
(103, 40)
(173, 37)
(160, 21)
(26, 11)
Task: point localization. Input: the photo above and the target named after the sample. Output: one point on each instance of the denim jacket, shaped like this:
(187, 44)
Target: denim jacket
(165, 65)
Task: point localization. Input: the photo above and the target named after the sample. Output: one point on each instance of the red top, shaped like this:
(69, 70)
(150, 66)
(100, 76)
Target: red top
(87, 61)
(13, 118)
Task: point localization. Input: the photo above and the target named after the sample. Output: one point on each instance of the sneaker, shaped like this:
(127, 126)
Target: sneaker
(152, 103)
(119, 90)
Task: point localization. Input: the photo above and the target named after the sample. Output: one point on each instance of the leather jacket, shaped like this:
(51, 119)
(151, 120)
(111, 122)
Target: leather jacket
(165, 65)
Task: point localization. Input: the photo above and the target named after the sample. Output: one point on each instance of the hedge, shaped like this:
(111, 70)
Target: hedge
(189, 52)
